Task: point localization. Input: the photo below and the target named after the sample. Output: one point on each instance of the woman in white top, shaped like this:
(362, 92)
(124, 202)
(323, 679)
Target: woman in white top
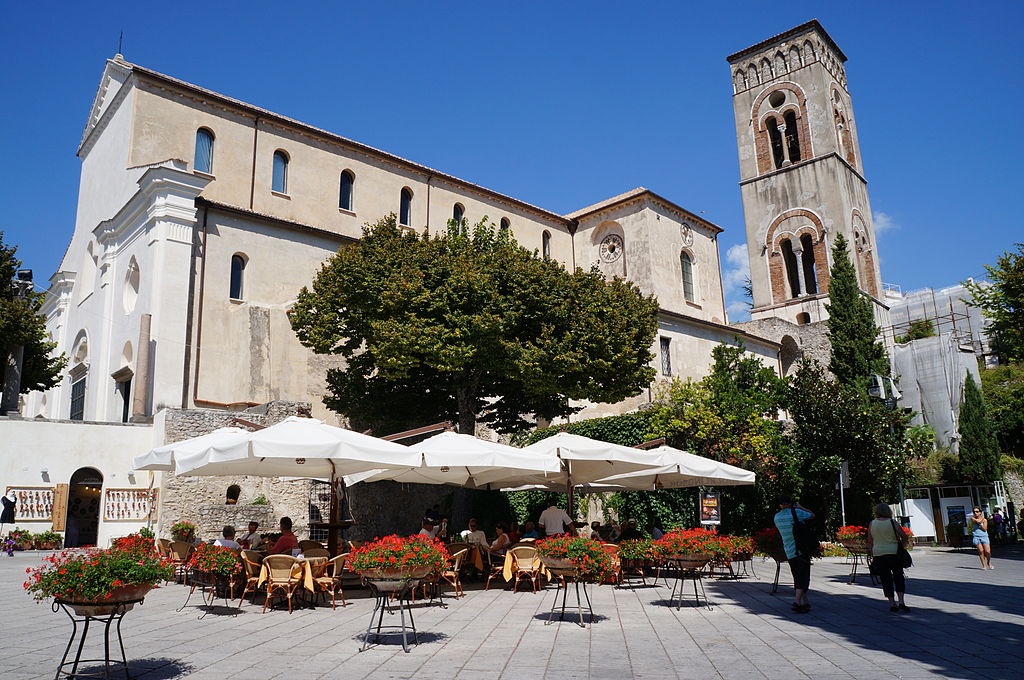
(499, 544)
(884, 539)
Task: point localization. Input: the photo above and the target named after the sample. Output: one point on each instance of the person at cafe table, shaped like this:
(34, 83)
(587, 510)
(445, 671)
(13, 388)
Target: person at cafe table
(288, 542)
(474, 534)
(251, 539)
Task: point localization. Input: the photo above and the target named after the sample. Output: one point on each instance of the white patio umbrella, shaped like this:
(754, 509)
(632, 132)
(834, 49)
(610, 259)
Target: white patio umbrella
(162, 458)
(465, 460)
(682, 470)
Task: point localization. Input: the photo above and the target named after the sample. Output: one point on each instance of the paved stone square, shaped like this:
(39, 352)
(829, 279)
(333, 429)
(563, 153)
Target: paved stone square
(964, 623)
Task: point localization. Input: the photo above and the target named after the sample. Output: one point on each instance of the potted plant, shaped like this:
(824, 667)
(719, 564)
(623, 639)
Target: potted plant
(48, 540)
(96, 582)
(22, 538)
(394, 562)
(955, 534)
(183, 531)
(768, 542)
(692, 548)
(741, 548)
(576, 557)
(636, 555)
(853, 538)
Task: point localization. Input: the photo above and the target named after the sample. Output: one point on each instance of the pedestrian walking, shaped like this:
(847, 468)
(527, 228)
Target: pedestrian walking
(979, 534)
(884, 540)
(790, 521)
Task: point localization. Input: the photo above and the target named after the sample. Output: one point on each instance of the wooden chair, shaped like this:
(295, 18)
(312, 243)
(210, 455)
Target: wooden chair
(355, 544)
(180, 552)
(494, 565)
(163, 547)
(281, 577)
(452, 575)
(330, 580)
(316, 553)
(251, 565)
(310, 545)
(523, 566)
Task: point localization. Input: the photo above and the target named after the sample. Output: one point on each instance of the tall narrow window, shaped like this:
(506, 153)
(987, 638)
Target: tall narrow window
(810, 274)
(686, 266)
(124, 388)
(204, 151)
(775, 137)
(666, 356)
(280, 180)
(237, 276)
(505, 224)
(792, 138)
(348, 180)
(789, 257)
(405, 209)
(458, 212)
(545, 247)
(78, 399)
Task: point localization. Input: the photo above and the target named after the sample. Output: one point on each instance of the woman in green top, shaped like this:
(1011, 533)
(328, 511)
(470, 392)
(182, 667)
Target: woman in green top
(884, 540)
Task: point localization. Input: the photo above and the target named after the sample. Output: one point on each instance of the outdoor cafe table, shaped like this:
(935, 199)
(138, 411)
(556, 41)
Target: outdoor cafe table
(303, 571)
(506, 572)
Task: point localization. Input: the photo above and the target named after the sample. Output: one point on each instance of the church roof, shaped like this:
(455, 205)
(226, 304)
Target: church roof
(813, 24)
(637, 193)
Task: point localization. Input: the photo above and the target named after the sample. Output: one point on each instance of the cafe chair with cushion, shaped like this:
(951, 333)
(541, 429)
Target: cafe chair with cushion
(329, 580)
(281, 578)
(316, 552)
(251, 565)
(525, 566)
(180, 552)
(452, 571)
(310, 545)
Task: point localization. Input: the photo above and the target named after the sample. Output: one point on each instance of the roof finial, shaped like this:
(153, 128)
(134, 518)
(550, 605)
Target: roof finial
(120, 41)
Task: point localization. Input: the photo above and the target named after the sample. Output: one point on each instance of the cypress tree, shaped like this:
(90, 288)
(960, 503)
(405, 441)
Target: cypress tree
(856, 351)
(979, 451)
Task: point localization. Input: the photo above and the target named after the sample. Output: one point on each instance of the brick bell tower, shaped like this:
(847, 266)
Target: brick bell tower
(801, 174)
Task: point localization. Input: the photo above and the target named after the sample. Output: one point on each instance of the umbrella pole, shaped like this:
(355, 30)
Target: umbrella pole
(332, 520)
(569, 492)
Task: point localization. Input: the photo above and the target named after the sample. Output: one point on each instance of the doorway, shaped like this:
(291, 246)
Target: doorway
(83, 520)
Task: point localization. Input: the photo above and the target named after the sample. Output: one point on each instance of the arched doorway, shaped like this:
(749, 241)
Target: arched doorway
(789, 353)
(83, 521)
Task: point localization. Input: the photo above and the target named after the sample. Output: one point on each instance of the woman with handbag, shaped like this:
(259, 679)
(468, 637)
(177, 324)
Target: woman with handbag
(885, 539)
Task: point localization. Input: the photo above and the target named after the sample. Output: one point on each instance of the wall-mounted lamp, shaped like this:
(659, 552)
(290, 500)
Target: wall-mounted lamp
(45, 474)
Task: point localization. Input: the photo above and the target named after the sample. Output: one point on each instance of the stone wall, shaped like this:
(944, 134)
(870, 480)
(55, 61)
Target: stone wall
(807, 341)
(1015, 492)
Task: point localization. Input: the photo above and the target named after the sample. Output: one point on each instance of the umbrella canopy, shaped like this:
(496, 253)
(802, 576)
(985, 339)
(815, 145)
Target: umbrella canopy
(464, 460)
(586, 460)
(163, 458)
(682, 470)
(298, 447)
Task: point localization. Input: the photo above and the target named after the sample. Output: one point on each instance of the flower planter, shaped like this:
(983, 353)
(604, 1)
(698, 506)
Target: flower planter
(741, 557)
(395, 579)
(636, 563)
(118, 596)
(691, 561)
(188, 538)
(47, 545)
(853, 545)
(558, 566)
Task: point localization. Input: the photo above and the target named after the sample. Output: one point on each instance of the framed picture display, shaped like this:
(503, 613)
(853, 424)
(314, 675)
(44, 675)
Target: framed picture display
(35, 503)
(129, 504)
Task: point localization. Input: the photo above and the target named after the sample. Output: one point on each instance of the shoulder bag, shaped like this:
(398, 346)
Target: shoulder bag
(902, 554)
(804, 536)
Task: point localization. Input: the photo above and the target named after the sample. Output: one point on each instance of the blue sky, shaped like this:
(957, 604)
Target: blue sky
(560, 104)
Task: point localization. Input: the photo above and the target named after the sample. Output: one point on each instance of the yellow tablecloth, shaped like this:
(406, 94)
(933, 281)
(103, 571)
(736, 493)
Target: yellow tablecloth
(506, 572)
(301, 570)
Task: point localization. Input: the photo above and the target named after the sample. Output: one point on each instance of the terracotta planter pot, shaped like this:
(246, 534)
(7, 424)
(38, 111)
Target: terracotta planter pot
(691, 561)
(558, 566)
(109, 605)
(854, 544)
(635, 563)
(393, 580)
(47, 545)
(190, 537)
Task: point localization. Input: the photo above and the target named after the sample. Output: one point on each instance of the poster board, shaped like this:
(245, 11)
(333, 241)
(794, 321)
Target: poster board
(710, 507)
(129, 505)
(35, 503)
(60, 507)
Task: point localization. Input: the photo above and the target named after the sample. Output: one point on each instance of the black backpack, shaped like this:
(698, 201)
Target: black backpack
(805, 537)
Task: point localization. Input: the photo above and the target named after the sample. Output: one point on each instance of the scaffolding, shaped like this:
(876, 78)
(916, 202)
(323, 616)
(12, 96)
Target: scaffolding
(947, 312)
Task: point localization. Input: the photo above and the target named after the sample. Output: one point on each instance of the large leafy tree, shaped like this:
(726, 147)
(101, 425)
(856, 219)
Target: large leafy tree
(1002, 300)
(979, 450)
(856, 351)
(468, 325)
(22, 325)
(1003, 388)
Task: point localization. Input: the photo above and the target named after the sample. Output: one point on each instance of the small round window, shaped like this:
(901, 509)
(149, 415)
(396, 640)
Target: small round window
(777, 99)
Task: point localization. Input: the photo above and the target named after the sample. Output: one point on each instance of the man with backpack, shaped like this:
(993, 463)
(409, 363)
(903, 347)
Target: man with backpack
(798, 540)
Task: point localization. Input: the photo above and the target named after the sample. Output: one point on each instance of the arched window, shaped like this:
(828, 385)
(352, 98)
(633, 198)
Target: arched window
(405, 209)
(234, 491)
(792, 138)
(775, 137)
(237, 276)
(810, 274)
(802, 319)
(348, 181)
(204, 151)
(792, 274)
(545, 244)
(458, 213)
(505, 224)
(686, 266)
(280, 180)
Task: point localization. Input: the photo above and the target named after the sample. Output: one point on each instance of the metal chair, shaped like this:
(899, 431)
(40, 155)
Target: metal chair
(251, 564)
(525, 566)
(281, 577)
(330, 580)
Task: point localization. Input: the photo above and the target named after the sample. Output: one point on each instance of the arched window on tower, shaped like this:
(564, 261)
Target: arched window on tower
(810, 270)
(204, 152)
(775, 137)
(405, 208)
(792, 272)
(792, 136)
(686, 267)
(237, 276)
(348, 181)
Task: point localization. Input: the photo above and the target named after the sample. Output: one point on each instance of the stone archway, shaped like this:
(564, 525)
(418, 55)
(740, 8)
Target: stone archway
(85, 491)
(789, 354)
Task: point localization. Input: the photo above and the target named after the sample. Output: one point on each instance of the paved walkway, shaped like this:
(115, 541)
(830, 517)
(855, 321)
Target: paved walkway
(964, 623)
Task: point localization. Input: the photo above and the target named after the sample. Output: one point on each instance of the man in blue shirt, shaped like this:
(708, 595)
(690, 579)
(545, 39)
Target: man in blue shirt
(799, 564)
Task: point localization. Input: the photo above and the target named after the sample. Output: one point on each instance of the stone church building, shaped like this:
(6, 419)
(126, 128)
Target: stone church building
(201, 216)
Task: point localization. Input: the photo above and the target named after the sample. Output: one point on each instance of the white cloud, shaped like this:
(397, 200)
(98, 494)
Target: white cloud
(737, 271)
(883, 222)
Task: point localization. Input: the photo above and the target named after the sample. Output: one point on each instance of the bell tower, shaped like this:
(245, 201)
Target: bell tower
(801, 173)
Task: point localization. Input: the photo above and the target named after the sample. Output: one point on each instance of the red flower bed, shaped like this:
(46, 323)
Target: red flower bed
(852, 533)
(396, 552)
(91, 575)
(214, 559)
(591, 559)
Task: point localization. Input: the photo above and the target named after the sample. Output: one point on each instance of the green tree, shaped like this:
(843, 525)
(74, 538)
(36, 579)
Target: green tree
(22, 325)
(469, 326)
(856, 351)
(1003, 389)
(918, 329)
(1002, 300)
(979, 450)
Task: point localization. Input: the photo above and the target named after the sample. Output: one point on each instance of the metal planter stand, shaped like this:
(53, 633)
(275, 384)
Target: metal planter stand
(118, 610)
(565, 576)
(383, 590)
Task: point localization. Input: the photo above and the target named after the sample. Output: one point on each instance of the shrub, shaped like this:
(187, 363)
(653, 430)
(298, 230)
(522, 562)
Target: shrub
(643, 549)
(260, 500)
(852, 533)
(768, 541)
(146, 532)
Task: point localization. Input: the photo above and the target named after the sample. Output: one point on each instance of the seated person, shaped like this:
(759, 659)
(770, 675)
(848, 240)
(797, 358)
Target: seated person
(428, 529)
(229, 539)
(473, 534)
(515, 533)
(251, 539)
(595, 530)
(630, 532)
(501, 543)
(288, 542)
(529, 530)
(434, 514)
(656, 533)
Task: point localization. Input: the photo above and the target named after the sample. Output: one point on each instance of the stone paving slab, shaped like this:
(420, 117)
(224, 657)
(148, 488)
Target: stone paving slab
(965, 623)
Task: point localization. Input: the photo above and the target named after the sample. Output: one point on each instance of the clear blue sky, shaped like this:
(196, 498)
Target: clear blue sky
(560, 104)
